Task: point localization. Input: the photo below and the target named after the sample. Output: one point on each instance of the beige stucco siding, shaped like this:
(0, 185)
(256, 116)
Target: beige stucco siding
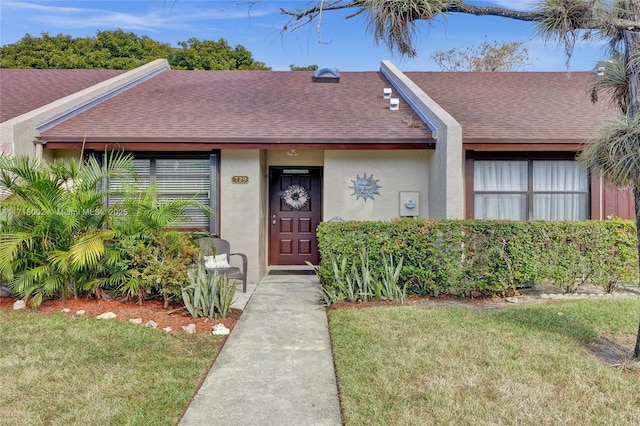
(446, 195)
(394, 171)
(311, 158)
(241, 207)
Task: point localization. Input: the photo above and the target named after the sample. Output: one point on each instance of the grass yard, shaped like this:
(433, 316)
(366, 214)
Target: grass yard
(524, 365)
(62, 371)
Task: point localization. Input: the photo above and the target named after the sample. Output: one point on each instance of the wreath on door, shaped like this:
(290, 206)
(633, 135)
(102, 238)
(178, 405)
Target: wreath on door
(296, 196)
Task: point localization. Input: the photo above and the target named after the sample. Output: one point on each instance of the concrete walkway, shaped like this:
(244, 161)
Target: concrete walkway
(276, 366)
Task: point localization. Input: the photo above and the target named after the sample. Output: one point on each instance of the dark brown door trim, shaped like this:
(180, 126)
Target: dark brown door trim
(295, 210)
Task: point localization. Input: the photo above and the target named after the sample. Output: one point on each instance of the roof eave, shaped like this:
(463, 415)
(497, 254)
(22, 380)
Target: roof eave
(528, 144)
(205, 144)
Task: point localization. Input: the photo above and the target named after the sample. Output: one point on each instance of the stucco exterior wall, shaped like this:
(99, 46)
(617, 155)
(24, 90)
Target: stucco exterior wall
(394, 171)
(241, 207)
(446, 191)
(311, 158)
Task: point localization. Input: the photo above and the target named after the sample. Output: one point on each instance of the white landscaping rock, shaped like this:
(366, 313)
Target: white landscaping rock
(135, 320)
(106, 315)
(189, 329)
(151, 324)
(512, 299)
(66, 310)
(19, 305)
(220, 330)
(81, 312)
(167, 330)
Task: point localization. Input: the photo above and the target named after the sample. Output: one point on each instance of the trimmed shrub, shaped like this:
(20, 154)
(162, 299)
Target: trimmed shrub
(486, 257)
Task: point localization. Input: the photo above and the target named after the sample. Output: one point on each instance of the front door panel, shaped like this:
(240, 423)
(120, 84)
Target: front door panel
(295, 212)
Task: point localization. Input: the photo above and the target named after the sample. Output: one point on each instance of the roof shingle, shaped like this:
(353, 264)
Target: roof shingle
(518, 106)
(23, 90)
(240, 106)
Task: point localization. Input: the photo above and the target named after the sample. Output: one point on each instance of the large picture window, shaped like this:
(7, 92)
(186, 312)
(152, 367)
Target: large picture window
(531, 189)
(179, 177)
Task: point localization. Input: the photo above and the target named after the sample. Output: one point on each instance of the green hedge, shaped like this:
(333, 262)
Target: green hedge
(483, 257)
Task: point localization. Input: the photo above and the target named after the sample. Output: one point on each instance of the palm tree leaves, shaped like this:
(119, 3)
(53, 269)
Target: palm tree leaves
(59, 239)
(53, 224)
(89, 249)
(612, 82)
(615, 152)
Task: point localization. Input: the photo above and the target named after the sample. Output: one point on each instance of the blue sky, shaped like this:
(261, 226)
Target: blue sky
(339, 43)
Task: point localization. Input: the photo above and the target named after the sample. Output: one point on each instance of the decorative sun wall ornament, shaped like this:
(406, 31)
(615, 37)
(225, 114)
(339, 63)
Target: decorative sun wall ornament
(296, 197)
(365, 187)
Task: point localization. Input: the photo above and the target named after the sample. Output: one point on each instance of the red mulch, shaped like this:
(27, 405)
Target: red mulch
(151, 310)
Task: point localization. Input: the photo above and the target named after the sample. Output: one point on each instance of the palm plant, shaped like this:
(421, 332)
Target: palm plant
(615, 152)
(152, 255)
(53, 224)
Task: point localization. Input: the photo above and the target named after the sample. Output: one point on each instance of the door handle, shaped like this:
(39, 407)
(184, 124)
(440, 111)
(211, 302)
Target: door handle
(273, 221)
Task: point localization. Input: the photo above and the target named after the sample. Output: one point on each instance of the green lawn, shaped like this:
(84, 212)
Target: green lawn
(399, 365)
(61, 371)
(524, 365)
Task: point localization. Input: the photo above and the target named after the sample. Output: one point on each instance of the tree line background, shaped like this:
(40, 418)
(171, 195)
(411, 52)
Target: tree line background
(122, 50)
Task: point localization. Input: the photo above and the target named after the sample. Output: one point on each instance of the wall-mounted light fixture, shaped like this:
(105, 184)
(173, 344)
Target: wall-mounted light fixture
(394, 104)
(386, 93)
(293, 153)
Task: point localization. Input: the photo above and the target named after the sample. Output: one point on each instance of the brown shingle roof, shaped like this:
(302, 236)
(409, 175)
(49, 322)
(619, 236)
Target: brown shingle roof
(236, 107)
(286, 108)
(23, 90)
(520, 107)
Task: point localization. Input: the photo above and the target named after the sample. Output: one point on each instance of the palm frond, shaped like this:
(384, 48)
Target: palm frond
(22, 170)
(615, 152)
(30, 281)
(117, 164)
(57, 285)
(89, 249)
(10, 243)
(612, 82)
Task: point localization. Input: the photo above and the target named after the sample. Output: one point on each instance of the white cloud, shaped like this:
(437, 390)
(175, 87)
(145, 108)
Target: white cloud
(167, 15)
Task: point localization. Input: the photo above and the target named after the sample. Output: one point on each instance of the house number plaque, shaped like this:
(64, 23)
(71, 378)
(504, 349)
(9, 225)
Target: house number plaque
(239, 179)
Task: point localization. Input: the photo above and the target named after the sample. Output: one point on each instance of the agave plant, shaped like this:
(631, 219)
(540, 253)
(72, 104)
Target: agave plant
(53, 224)
(208, 294)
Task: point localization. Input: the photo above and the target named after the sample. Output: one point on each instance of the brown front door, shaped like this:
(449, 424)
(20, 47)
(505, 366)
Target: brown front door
(295, 212)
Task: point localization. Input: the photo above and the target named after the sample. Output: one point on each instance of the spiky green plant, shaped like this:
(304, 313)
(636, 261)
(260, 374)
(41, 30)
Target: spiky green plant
(390, 279)
(208, 294)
